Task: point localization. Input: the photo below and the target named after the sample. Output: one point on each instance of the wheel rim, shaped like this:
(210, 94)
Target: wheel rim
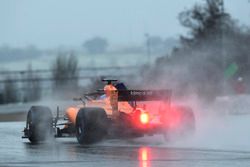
(80, 130)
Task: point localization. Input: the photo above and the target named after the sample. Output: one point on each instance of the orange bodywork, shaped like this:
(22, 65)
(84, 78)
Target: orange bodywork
(109, 103)
(71, 114)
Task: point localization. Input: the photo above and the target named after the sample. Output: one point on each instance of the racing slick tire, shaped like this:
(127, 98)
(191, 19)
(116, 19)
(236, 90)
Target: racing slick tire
(39, 124)
(91, 125)
(185, 125)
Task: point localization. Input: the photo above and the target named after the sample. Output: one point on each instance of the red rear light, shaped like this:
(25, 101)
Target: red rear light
(144, 118)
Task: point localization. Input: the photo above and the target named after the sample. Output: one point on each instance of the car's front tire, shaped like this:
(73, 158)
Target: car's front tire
(39, 124)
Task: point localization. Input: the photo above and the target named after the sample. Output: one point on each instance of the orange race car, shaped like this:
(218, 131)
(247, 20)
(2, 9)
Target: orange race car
(114, 112)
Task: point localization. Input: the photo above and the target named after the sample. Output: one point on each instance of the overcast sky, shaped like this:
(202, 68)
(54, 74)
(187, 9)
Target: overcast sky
(50, 23)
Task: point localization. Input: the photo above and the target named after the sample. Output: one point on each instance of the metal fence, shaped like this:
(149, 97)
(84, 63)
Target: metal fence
(23, 78)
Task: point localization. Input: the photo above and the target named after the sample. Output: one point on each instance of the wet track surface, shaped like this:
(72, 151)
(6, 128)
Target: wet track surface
(139, 153)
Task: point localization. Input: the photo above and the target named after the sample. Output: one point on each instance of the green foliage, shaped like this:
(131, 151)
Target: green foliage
(10, 94)
(12, 54)
(96, 45)
(33, 86)
(215, 41)
(205, 22)
(65, 71)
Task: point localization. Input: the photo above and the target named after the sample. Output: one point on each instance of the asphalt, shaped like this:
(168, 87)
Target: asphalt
(149, 152)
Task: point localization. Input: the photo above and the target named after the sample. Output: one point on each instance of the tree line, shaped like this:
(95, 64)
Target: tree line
(64, 79)
(212, 58)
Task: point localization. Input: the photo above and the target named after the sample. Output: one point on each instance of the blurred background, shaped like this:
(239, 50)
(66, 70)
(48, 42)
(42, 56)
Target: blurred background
(55, 50)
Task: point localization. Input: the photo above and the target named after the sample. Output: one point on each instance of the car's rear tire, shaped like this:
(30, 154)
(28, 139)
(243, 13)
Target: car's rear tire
(188, 121)
(39, 124)
(185, 126)
(91, 125)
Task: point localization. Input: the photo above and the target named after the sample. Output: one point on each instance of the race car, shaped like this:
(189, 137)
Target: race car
(113, 112)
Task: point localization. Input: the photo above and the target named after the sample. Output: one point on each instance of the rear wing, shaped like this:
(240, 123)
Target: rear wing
(144, 95)
(132, 96)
